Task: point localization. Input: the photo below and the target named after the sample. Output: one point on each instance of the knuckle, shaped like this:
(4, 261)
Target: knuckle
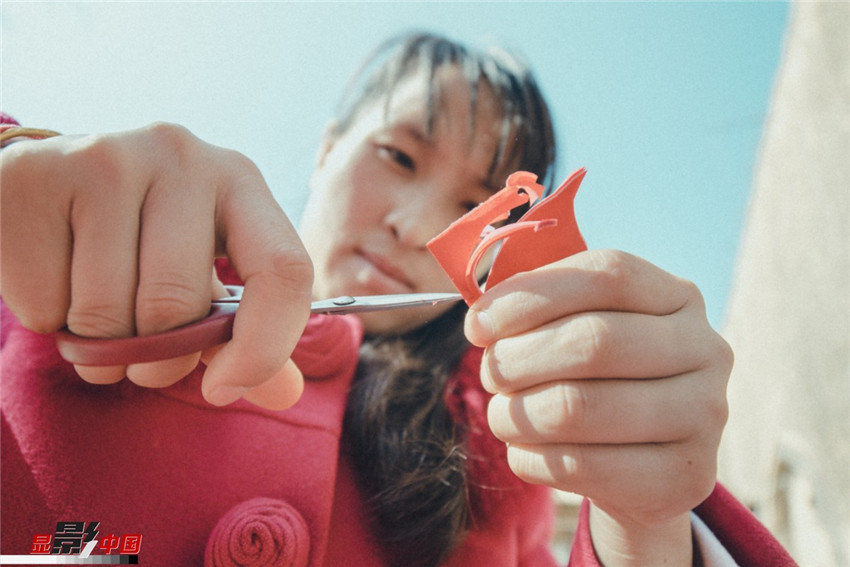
(720, 412)
(592, 342)
(614, 271)
(549, 465)
(491, 374)
(691, 294)
(172, 142)
(716, 372)
(523, 463)
(725, 356)
(580, 469)
(235, 173)
(292, 267)
(98, 156)
(550, 413)
(575, 406)
(518, 462)
(691, 290)
(297, 266)
(100, 319)
(167, 303)
(241, 164)
(708, 411)
(498, 416)
(612, 261)
(717, 408)
(708, 415)
(573, 468)
(169, 135)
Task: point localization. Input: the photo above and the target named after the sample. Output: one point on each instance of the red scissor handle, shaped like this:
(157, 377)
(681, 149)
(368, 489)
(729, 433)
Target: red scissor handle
(216, 328)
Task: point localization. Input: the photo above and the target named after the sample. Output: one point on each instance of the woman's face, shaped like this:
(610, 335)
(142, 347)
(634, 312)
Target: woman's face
(385, 186)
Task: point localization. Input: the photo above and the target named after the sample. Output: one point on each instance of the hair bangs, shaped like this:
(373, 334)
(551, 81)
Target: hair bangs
(526, 136)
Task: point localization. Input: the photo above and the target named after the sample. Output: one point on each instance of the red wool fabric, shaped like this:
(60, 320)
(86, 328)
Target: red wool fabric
(189, 476)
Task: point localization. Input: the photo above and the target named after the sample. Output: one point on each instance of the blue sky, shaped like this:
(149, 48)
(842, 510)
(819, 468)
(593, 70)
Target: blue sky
(663, 102)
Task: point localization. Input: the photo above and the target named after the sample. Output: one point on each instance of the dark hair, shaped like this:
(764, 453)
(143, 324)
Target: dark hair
(408, 453)
(527, 136)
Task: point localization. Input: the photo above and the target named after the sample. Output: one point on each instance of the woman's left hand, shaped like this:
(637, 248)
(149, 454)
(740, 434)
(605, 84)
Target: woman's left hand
(610, 383)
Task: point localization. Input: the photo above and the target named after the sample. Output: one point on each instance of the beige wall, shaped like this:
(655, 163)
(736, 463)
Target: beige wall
(786, 450)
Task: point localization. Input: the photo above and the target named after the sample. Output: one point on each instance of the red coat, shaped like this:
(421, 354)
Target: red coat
(195, 480)
(190, 477)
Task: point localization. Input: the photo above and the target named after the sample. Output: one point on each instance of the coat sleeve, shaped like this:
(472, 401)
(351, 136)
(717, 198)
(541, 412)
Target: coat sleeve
(727, 533)
(738, 530)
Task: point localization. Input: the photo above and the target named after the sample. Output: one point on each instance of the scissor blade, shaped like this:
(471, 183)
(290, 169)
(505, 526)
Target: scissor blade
(349, 304)
(215, 329)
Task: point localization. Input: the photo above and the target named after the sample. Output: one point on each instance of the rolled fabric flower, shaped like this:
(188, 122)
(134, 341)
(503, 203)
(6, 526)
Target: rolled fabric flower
(260, 531)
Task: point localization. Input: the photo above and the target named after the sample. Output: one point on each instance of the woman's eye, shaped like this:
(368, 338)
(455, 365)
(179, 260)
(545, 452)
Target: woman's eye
(398, 157)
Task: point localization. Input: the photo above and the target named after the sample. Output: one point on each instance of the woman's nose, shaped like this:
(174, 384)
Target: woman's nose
(418, 216)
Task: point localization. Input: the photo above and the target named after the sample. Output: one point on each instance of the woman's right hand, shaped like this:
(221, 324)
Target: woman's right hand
(115, 235)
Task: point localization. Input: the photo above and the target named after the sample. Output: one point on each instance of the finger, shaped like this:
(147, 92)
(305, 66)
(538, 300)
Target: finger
(103, 260)
(34, 224)
(269, 257)
(599, 345)
(595, 280)
(105, 245)
(277, 393)
(94, 298)
(176, 250)
(270, 319)
(217, 289)
(652, 480)
(661, 410)
(280, 391)
(100, 374)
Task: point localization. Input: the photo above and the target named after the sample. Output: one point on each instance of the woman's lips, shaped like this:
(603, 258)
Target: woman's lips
(385, 275)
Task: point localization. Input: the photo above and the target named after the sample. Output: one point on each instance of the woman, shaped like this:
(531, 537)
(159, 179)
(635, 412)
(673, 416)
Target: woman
(606, 378)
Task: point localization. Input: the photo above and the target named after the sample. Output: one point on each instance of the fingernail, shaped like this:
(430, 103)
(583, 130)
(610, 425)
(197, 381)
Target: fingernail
(224, 394)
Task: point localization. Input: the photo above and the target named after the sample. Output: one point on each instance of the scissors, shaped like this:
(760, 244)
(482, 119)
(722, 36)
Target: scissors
(216, 328)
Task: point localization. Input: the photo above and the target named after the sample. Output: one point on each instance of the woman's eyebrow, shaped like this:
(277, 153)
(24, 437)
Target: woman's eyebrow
(412, 129)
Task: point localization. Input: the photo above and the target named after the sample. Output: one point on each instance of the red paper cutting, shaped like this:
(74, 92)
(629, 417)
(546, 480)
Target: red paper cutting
(546, 233)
